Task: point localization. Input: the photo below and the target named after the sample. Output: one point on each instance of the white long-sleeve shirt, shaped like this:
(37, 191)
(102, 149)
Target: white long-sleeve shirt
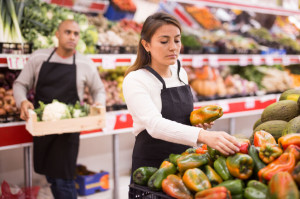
(142, 90)
(86, 75)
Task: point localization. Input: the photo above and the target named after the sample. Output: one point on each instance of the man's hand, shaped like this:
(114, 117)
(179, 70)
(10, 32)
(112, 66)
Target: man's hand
(25, 105)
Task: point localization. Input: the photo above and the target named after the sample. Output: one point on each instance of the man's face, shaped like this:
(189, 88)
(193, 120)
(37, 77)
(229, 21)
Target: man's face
(68, 35)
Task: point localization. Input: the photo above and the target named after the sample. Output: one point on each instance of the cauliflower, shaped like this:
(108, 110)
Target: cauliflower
(55, 111)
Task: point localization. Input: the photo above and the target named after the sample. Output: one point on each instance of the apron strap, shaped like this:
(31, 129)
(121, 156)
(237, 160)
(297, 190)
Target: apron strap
(51, 55)
(178, 70)
(151, 70)
(74, 58)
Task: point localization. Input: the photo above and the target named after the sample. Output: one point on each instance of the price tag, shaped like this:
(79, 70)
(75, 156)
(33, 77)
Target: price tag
(256, 60)
(225, 106)
(286, 60)
(269, 60)
(197, 61)
(243, 61)
(249, 103)
(213, 61)
(109, 62)
(16, 62)
(110, 122)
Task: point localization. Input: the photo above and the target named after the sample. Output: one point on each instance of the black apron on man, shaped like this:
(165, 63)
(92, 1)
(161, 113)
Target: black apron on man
(55, 155)
(177, 104)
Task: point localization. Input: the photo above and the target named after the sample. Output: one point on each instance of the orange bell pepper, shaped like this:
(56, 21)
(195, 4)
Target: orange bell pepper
(214, 193)
(269, 152)
(206, 114)
(285, 162)
(262, 137)
(196, 180)
(286, 140)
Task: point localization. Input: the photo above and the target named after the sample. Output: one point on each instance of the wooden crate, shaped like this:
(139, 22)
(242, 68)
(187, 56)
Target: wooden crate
(95, 120)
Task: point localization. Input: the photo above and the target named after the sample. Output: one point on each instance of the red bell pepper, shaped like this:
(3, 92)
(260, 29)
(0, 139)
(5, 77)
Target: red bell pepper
(245, 143)
(214, 193)
(285, 162)
(174, 187)
(202, 149)
(293, 149)
(262, 137)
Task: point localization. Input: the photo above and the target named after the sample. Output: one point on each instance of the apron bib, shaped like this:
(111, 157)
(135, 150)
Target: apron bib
(177, 104)
(55, 155)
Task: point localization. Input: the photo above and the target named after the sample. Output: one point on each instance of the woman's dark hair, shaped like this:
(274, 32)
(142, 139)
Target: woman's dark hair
(152, 23)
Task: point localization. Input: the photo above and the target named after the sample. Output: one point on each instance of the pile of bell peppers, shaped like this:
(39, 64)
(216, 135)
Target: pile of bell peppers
(262, 169)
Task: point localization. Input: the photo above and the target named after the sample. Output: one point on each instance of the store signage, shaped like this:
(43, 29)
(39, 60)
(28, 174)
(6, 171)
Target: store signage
(256, 60)
(243, 60)
(197, 61)
(213, 61)
(16, 62)
(249, 103)
(109, 62)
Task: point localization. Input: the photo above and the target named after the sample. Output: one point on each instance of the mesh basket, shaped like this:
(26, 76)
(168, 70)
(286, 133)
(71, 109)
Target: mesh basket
(142, 192)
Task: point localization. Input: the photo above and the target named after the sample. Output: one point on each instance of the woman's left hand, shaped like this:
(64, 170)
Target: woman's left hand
(205, 125)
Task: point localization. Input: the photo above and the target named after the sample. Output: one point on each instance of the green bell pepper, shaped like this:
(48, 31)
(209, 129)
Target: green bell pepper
(141, 175)
(258, 164)
(221, 168)
(234, 186)
(213, 153)
(190, 161)
(240, 165)
(173, 158)
(165, 169)
(255, 190)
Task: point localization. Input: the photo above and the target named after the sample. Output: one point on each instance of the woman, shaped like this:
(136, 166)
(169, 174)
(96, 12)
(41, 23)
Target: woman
(160, 101)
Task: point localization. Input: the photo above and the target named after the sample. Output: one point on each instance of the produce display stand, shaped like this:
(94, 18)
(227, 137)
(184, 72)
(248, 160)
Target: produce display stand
(140, 192)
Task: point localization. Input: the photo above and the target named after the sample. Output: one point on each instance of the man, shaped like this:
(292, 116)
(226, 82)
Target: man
(59, 73)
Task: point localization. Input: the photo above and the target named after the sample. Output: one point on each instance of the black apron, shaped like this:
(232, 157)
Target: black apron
(177, 104)
(55, 155)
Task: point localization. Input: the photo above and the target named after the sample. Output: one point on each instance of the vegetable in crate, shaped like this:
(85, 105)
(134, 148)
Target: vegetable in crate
(190, 161)
(221, 168)
(234, 186)
(255, 190)
(212, 175)
(240, 165)
(282, 186)
(286, 162)
(269, 152)
(262, 137)
(195, 180)
(214, 193)
(258, 164)
(141, 175)
(166, 168)
(174, 187)
(206, 114)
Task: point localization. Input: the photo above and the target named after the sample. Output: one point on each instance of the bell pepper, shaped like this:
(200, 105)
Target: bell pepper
(221, 168)
(141, 175)
(212, 175)
(234, 186)
(285, 162)
(245, 143)
(286, 140)
(173, 158)
(240, 165)
(262, 137)
(189, 151)
(255, 190)
(213, 193)
(213, 153)
(258, 164)
(190, 161)
(206, 114)
(195, 180)
(269, 152)
(294, 150)
(202, 149)
(174, 187)
(296, 174)
(281, 186)
(155, 181)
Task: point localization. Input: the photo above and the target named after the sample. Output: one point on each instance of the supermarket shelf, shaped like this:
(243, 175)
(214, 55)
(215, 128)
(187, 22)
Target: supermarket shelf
(110, 61)
(275, 10)
(117, 122)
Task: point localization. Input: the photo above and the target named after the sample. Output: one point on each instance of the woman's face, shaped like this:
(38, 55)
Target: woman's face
(164, 46)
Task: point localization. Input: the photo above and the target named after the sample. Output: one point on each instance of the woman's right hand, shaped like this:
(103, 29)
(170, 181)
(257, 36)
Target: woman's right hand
(220, 141)
(25, 105)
